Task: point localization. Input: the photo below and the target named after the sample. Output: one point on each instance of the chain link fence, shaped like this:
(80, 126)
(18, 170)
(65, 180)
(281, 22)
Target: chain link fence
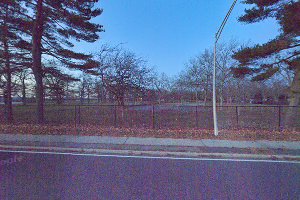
(162, 116)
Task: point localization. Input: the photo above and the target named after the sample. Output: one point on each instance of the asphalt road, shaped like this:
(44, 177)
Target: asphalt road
(54, 176)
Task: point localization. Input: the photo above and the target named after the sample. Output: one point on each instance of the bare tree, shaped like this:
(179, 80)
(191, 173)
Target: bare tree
(123, 73)
(86, 88)
(99, 90)
(162, 84)
(56, 82)
(224, 63)
(198, 73)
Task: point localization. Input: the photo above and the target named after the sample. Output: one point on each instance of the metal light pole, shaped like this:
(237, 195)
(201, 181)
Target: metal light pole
(217, 36)
(214, 92)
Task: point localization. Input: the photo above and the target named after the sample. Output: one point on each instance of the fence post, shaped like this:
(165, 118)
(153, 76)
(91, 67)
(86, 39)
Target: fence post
(115, 116)
(279, 118)
(153, 117)
(196, 116)
(237, 116)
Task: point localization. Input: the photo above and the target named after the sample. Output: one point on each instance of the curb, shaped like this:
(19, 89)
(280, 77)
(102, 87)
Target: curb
(149, 154)
(258, 144)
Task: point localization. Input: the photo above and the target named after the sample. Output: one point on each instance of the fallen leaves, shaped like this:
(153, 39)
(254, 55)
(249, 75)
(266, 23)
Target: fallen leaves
(86, 130)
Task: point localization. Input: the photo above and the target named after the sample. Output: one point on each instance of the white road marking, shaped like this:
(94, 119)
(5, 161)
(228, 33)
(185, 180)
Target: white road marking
(152, 157)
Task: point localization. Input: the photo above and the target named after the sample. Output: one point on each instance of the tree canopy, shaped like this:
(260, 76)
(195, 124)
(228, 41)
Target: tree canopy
(262, 61)
(122, 72)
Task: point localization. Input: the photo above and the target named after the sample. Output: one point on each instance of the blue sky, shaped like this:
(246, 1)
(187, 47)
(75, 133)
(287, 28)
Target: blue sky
(168, 32)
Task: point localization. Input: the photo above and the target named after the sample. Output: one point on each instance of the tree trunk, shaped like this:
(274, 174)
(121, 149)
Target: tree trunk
(292, 115)
(37, 61)
(98, 98)
(88, 96)
(66, 93)
(82, 96)
(206, 91)
(8, 98)
(23, 91)
(221, 100)
(295, 89)
(230, 100)
(120, 100)
(8, 105)
(98, 90)
(221, 93)
(159, 98)
(103, 95)
(205, 96)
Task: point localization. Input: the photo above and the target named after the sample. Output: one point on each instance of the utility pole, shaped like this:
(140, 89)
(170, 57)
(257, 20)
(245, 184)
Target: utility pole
(217, 36)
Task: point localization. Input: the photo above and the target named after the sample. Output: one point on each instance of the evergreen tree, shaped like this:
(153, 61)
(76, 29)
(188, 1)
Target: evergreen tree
(14, 48)
(55, 23)
(263, 61)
